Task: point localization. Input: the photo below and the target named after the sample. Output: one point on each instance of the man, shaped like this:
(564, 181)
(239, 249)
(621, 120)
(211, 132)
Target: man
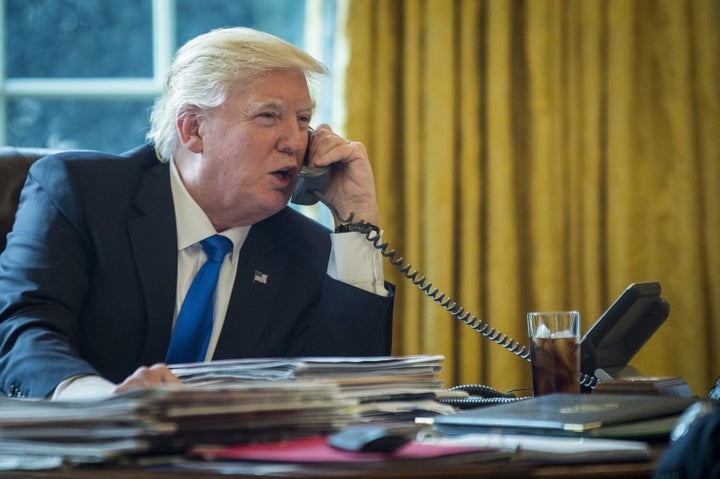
(104, 248)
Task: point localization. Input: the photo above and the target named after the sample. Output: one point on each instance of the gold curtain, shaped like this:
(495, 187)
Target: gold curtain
(544, 154)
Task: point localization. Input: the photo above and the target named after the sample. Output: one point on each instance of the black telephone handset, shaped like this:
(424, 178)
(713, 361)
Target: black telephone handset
(309, 180)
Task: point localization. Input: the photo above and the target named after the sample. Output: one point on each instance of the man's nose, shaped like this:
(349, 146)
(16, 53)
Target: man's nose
(299, 139)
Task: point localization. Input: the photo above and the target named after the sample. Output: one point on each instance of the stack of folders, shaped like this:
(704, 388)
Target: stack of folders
(626, 416)
(222, 403)
(569, 427)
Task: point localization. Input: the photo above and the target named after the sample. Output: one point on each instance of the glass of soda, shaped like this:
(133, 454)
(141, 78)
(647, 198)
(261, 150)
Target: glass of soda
(555, 351)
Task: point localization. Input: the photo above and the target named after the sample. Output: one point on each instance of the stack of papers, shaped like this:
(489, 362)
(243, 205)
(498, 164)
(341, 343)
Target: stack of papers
(409, 371)
(388, 389)
(225, 402)
(169, 420)
(551, 449)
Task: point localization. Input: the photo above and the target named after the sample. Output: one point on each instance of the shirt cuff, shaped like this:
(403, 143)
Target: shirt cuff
(83, 387)
(355, 260)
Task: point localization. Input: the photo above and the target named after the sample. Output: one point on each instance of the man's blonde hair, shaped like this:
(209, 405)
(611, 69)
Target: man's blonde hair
(207, 66)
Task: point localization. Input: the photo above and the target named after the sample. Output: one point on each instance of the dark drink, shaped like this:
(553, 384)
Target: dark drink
(555, 365)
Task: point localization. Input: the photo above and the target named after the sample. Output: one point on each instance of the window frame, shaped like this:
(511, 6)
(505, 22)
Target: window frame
(163, 49)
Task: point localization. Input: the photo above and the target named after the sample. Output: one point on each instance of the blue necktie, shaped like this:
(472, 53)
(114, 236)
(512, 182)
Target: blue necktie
(194, 323)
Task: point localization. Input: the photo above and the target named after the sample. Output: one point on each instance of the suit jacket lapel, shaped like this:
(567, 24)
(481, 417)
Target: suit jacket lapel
(153, 237)
(252, 298)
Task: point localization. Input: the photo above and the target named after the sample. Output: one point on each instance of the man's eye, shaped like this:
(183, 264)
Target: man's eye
(266, 118)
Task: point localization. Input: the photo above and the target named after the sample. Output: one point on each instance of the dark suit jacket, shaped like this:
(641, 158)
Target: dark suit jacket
(88, 279)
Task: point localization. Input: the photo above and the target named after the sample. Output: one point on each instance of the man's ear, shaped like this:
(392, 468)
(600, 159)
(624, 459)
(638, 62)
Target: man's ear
(188, 125)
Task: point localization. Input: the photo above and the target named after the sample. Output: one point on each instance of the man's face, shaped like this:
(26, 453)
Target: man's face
(252, 148)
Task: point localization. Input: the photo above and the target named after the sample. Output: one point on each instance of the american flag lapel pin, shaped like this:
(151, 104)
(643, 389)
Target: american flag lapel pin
(260, 277)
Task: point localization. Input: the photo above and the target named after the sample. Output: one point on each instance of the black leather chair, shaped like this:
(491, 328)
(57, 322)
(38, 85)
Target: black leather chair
(14, 165)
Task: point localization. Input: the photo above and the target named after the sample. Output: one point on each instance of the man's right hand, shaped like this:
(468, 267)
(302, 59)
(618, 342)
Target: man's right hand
(148, 376)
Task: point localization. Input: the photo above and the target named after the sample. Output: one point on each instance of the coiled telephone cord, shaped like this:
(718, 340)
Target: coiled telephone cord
(446, 302)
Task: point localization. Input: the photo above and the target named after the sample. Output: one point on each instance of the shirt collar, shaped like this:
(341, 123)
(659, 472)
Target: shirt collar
(192, 223)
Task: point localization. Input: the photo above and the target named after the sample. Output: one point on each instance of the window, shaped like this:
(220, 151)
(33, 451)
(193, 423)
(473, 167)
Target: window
(84, 73)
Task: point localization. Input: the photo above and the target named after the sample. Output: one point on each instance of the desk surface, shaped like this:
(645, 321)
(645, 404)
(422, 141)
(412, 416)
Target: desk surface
(406, 470)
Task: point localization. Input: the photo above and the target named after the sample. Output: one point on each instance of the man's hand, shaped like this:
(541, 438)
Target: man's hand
(144, 376)
(352, 187)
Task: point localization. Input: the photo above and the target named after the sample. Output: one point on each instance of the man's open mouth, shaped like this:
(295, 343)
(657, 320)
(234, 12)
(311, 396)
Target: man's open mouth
(283, 173)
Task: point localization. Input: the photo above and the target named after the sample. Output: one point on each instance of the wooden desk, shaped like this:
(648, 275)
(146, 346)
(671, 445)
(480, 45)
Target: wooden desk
(420, 470)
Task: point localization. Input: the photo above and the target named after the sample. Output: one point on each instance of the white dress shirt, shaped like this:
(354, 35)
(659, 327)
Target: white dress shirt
(353, 260)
